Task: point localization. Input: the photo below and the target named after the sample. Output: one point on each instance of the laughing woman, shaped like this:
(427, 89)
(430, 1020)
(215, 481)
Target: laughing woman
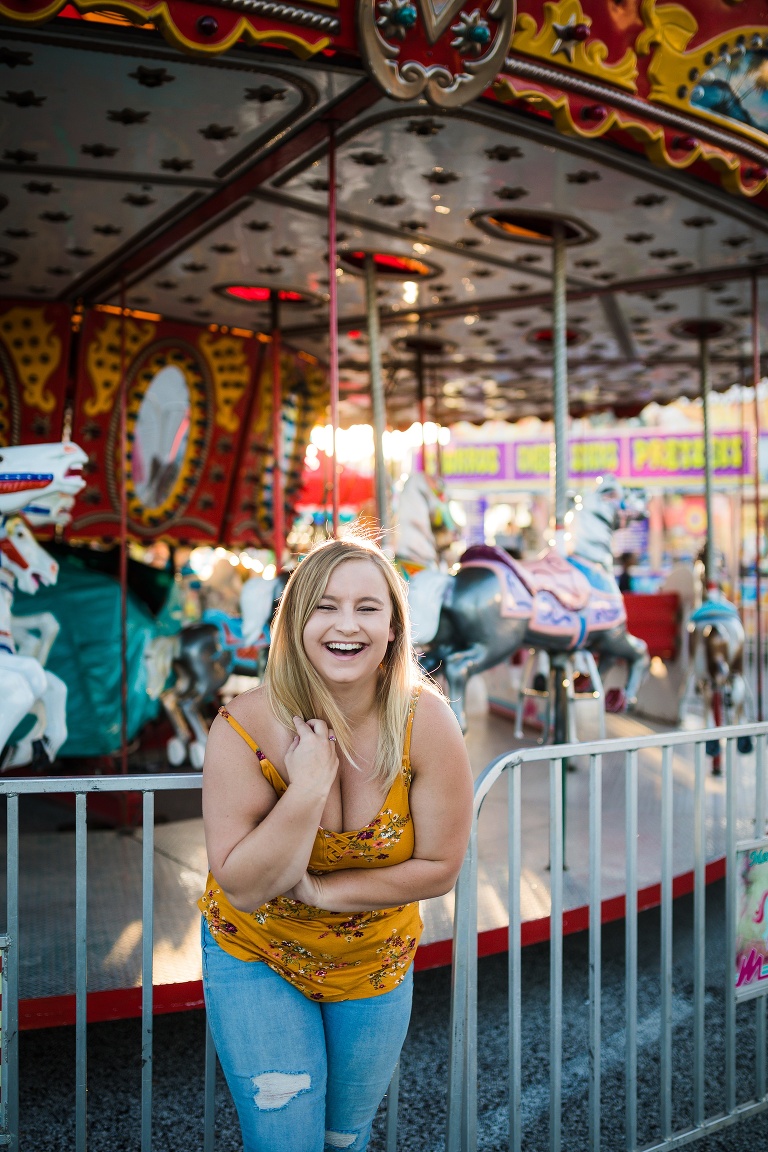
(335, 797)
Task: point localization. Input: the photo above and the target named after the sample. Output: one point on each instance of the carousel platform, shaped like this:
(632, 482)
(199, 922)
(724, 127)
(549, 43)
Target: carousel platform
(47, 897)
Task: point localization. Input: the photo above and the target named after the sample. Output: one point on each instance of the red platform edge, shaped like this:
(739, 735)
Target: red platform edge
(125, 1003)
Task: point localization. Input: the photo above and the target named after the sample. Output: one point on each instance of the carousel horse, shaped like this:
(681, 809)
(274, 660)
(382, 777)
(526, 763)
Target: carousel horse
(425, 526)
(41, 481)
(424, 531)
(186, 670)
(716, 645)
(495, 605)
(26, 688)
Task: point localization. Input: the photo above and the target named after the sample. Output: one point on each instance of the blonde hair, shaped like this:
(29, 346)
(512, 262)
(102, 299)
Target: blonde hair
(293, 686)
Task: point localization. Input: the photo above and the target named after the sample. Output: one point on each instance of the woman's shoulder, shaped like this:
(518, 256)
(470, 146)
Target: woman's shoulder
(433, 720)
(252, 704)
(252, 711)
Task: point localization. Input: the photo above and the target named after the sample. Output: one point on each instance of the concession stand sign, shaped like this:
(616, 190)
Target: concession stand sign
(647, 458)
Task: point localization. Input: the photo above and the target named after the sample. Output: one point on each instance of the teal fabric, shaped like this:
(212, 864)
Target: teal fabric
(86, 655)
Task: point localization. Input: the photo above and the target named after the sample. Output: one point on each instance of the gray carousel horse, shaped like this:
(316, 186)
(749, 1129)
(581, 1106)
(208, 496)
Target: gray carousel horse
(187, 669)
(495, 605)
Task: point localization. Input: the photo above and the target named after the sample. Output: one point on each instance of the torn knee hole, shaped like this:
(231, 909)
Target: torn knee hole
(340, 1139)
(277, 1089)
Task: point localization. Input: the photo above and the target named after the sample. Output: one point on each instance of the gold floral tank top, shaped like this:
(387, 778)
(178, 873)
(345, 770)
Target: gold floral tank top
(326, 955)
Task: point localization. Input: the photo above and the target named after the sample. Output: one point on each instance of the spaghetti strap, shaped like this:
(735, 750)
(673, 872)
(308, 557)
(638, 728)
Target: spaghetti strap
(409, 725)
(241, 732)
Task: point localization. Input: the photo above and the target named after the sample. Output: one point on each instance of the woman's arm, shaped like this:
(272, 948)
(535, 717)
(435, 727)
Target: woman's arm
(259, 844)
(441, 810)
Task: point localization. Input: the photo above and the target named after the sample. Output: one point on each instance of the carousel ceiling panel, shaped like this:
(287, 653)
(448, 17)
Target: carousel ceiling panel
(54, 229)
(283, 245)
(137, 114)
(108, 138)
(435, 174)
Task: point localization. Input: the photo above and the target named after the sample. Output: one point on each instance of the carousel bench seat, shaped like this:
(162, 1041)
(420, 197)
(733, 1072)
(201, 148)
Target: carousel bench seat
(656, 619)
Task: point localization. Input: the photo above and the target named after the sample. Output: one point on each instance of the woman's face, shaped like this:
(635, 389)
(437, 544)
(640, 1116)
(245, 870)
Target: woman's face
(346, 636)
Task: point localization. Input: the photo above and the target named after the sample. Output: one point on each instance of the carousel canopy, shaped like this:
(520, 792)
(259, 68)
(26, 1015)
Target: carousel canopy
(193, 187)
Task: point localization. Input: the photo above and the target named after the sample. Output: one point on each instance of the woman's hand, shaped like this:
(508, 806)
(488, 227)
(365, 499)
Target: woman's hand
(311, 760)
(309, 890)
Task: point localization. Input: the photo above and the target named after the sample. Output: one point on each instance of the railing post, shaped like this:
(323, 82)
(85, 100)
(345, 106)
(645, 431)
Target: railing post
(514, 849)
(458, 1089)
(10, 1006)
(699, 932)
(595, 944)
(630, 935)
(147, 948)
(760, 1004)
(666, 943)
(556, 770)
(730, 929)
(393, 1102)
(81, 972)
(209, 1092)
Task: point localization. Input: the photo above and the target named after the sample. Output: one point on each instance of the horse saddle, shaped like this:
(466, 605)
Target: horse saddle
(552, 573)
(555, 574)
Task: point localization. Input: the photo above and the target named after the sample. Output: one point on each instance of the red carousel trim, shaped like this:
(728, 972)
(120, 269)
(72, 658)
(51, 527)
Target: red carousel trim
(205, 28)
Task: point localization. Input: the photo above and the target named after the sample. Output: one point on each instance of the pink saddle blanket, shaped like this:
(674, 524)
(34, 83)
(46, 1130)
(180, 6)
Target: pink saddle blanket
(552, 573)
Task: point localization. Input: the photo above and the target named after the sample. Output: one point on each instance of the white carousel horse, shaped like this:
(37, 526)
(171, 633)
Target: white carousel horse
(424, 531)
(425, 527)
(25, 685)
(41, 481)
(495, 605)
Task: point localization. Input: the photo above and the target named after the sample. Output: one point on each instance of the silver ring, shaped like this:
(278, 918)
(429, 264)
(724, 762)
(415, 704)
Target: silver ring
(331, 737)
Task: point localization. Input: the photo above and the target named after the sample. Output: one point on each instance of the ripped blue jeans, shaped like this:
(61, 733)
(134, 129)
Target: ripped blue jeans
(304, 1076)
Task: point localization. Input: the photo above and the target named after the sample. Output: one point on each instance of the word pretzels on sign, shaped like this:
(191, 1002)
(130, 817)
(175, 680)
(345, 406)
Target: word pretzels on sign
(449, 52)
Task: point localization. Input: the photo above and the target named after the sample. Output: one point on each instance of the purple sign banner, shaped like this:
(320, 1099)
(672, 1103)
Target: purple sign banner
(644, 456)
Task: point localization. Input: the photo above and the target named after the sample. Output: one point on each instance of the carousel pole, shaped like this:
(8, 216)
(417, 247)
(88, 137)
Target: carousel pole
(123, 545)
(558, 674)
(377, 393)
(333, 308)
(709, 554)
(278, 506)
(560, 385)
(422, 397)
(758, 606)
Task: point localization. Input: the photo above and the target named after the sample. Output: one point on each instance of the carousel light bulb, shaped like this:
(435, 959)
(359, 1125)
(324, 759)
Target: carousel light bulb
(443, 208)
(421, 249)
(269, 572)
(410, 292)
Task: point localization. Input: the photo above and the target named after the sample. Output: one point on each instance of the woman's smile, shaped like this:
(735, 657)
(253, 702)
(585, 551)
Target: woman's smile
(344, 650)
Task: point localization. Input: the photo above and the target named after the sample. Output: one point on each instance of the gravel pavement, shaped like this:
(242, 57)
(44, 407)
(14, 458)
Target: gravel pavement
(47, 1058)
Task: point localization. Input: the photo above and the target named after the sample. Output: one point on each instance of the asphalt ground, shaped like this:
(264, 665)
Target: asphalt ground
(114, 1067)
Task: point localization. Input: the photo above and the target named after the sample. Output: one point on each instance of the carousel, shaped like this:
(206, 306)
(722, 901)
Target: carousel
(223, 223)
(550, 209)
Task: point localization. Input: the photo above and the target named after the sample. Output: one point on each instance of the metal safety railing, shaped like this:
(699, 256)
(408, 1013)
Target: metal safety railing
(80, 788)
(462, 1124)
(462, 1128)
